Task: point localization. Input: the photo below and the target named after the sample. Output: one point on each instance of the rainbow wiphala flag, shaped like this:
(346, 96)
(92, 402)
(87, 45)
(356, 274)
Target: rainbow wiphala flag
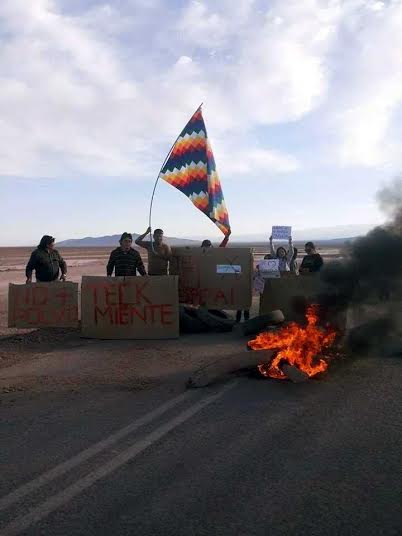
(191, 169)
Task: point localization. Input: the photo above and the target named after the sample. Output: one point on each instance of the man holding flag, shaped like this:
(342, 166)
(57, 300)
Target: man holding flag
(159, 253)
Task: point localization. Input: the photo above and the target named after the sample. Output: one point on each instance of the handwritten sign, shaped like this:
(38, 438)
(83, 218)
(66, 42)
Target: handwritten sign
(130, 307)
(281, 232)
(43, 305)
(269, 268)
(217, 278)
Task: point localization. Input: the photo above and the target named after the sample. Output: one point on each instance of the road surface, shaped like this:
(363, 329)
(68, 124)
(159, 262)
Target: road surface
(244, 457)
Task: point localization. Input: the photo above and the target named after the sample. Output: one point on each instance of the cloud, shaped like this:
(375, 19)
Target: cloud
(104, 90)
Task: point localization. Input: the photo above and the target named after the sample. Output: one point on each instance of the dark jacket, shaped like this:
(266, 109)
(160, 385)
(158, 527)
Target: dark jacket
(47, 265)
(312, 263)
(125, 263)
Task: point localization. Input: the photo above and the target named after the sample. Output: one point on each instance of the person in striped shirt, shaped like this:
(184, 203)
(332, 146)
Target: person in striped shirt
(125, 260)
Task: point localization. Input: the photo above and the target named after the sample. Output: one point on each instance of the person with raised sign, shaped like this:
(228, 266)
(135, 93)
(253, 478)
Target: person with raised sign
(47, 262)
(159, 253)
(282, 255)
(125, 260)
(312, 262)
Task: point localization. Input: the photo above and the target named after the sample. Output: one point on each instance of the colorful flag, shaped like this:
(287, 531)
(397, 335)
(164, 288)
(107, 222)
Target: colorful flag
(191, 169)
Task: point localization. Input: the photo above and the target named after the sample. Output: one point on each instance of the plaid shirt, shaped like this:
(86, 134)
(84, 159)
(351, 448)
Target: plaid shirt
(125, 263)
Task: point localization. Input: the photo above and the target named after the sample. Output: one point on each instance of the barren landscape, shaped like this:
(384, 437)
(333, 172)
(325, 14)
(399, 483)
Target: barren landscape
(48, 359)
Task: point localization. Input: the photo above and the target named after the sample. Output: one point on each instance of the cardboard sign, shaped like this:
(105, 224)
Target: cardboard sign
(290, 294)
(130, 307)
(43, 305)
(269, 268)
(281, 232)
(217, 278)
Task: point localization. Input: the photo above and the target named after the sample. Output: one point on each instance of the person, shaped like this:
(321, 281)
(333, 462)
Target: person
(47, 262)
(284, 256)
(159, 253)
(125, 260)
(312, 262)
(208, 243)
(293, 265)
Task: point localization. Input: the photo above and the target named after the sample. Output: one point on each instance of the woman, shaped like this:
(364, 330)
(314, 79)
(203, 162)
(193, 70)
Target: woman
(285, 257)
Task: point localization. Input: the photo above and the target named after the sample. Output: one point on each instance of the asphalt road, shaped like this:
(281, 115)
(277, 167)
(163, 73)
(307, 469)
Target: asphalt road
(247, 457)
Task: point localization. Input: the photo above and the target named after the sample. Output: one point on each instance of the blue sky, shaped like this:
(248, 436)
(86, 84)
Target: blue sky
(302, 101)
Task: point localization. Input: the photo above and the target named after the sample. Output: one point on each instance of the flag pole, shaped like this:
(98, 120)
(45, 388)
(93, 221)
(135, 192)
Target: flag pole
(157, 180)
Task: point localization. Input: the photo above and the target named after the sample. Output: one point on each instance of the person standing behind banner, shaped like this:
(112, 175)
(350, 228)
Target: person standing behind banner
(47, 262)
(159, 253)
(284, 256)
(313, 261)
(293, 265)
(124, 260)
(208, 243)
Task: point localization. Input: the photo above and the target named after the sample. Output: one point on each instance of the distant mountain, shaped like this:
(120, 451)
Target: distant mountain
(113, 241)
(338, 232)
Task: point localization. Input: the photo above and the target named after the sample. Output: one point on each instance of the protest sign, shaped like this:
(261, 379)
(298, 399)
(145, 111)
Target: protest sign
(43, 305)
(130, 307)
(281, 232)
(217, 278)
(269, 268)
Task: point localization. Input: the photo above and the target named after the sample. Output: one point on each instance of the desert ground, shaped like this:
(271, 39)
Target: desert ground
(60, 358)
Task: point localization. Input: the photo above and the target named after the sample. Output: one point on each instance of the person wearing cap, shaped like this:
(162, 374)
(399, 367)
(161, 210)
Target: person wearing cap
(312, 262)
(47, 262)
(125, 260)
(159, 253)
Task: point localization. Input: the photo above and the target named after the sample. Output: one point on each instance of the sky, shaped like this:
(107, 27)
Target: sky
(302, 100)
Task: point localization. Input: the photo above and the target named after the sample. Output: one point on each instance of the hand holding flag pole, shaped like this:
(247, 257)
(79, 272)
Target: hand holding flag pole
(190, 167)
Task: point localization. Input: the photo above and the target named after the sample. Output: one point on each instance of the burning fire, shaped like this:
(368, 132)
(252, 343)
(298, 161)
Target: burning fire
(295, 345)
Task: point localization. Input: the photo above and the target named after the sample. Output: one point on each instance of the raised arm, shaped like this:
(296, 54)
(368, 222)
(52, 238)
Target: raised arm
(225, 240)
(140, 240)
(271, 247)
(291, 250)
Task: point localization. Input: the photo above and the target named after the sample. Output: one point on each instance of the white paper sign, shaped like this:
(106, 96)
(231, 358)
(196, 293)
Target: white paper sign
(269, 265)
(269, 268)
(228, 269)
(281, 232)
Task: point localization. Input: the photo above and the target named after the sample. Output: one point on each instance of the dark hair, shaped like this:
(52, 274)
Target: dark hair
(158, 231)
(206, 244)
(281, 247)
(310, 245)
(126, 235)
(45, 241)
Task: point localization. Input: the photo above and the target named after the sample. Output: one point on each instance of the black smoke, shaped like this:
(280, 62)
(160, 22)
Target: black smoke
(371, 271)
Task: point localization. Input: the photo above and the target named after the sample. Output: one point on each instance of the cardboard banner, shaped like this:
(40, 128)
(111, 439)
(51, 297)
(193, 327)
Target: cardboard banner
(217, 278)
(43, 305)
(290, 294)
(130, 307)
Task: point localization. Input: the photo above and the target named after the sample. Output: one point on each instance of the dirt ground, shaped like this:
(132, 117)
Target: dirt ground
(48, 359)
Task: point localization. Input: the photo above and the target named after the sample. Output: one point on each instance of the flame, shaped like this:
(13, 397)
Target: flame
(296, 345)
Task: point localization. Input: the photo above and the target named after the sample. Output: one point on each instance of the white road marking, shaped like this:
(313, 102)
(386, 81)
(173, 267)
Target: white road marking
(63, 467)
(43, 510)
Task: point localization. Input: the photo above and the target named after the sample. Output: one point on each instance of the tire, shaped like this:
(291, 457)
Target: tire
(189, 322)
(215, 321)
(260, 323)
